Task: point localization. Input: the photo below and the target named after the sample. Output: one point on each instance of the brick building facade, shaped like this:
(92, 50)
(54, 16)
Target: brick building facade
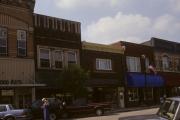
(17, 75)
(142, 86)
(104, 62)
(57, 45)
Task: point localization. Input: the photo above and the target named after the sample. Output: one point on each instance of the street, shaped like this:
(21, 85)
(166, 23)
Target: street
(133, 115)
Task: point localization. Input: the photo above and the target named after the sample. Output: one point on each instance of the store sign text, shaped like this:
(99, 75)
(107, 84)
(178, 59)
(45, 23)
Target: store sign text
(10, 82)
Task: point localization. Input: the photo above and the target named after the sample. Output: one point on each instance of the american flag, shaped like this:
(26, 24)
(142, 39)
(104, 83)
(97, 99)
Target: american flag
(152, 69)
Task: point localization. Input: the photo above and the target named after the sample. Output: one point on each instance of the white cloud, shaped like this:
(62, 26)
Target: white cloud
(70, 4)
(163, 23)
(132, 28)
(120, 27)
(175, 4)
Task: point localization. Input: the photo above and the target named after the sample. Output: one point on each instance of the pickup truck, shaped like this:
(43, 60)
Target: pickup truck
(7, 112)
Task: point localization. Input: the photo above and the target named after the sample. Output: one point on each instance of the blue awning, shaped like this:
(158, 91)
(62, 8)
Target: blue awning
(142, 80)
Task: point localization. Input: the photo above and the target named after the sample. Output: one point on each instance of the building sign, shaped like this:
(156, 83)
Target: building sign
(7, 92)
(10, 82)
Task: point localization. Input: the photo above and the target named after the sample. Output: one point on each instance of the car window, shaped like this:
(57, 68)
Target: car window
(3, 108)
(168, 109)
(11, 107)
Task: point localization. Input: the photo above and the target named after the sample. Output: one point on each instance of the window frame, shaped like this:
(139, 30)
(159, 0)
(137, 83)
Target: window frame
(39, 58)
(18, 47)
(166, 66)
(70, 51)
(5, 54)
(104, 60)
(136, 67)
(62, 58)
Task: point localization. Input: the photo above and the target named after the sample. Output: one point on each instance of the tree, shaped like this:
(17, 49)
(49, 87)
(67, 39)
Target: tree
(73, 79)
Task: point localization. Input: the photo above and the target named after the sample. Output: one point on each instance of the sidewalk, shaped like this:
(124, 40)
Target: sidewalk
(116, 110)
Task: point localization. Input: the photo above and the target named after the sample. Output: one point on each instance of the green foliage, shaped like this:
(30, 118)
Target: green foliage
(73, 79)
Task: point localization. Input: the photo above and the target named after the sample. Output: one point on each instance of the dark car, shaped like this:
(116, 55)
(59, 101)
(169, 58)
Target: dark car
(55, 107)
(79, 107)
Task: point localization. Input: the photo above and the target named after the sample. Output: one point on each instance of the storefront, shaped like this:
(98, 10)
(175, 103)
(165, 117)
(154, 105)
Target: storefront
(105, 90)
(16, 93)
(143, 89)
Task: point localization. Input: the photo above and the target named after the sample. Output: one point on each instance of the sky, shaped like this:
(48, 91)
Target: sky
(109, 21)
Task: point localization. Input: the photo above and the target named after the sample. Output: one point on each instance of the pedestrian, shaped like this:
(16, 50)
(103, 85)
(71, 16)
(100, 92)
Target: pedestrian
(45, 109)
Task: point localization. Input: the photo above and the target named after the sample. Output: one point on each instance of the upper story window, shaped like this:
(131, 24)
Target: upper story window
(147, 63)
(58, 59)
(177, 65)
(166, 63)
(21, 43)
(44, 58)
(72, 57)
(3, 41)
(133, 64)
(103, 64)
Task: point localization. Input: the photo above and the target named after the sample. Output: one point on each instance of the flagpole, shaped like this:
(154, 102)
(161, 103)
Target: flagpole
(145, 78)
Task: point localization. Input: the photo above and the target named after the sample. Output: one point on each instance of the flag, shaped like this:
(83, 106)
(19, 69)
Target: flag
(152, 69)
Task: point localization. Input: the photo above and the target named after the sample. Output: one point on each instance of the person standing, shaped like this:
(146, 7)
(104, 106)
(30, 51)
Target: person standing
(45, 109)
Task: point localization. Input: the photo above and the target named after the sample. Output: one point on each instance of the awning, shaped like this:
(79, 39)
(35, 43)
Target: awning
(142, 80)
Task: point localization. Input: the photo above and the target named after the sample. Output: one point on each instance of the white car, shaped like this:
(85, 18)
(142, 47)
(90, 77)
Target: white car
(7, 112)
(170, 110)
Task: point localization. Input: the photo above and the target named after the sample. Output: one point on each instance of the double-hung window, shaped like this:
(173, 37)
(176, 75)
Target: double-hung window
(166, 62)
(103, 64)
(3, 41)
(21, 42)
(133, 64)
(58, 59)
(44, 58)
(177, 64)
(72, 57)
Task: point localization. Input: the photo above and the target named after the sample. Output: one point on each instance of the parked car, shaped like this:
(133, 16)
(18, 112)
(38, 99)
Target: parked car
(86, 108)
(7, 112)
(170, 110)
(55, 107)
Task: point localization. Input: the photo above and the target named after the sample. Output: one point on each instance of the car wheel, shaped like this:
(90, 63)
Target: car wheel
(52, 116)
(9, 118)
(99, 111)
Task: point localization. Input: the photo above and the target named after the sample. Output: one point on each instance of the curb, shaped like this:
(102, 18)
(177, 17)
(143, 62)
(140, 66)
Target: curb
(132, 109)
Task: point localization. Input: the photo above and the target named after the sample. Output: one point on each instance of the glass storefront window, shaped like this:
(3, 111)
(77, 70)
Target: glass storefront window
(133, 94)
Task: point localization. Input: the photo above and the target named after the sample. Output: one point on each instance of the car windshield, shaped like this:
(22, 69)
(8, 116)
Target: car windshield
(168, 109)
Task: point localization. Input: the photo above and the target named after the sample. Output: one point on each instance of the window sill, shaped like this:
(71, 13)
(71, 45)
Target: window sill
(104, 71)
(43, 68)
